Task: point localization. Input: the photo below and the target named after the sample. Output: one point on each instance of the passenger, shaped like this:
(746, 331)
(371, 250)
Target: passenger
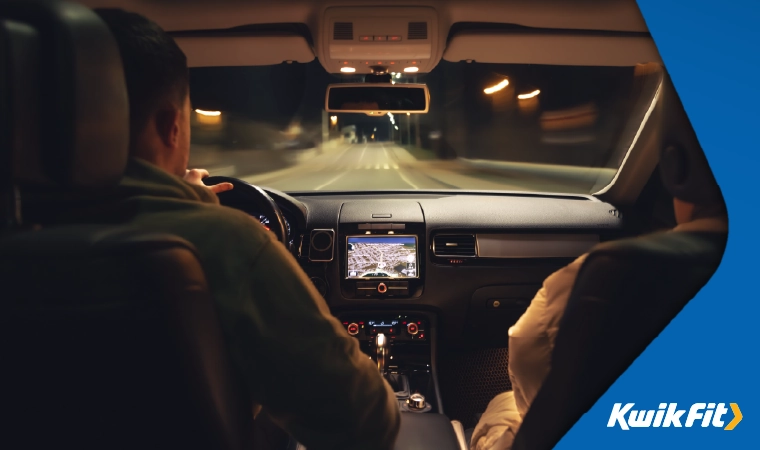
(531, 339)
(295, 358)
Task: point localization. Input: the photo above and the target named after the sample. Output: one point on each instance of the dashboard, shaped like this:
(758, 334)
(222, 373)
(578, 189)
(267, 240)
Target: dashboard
(292, 211)
(475, 260)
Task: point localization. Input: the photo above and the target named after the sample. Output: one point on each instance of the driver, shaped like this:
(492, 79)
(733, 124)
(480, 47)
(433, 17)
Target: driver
(298, 363)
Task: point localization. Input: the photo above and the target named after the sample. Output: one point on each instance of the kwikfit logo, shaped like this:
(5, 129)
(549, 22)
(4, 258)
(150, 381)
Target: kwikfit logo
(668, 415)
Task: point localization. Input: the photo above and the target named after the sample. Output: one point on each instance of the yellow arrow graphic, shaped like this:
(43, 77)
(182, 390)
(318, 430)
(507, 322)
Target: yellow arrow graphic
(737, 417)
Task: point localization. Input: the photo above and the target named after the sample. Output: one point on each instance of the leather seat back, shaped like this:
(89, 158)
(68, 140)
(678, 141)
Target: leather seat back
(625, 294)
(109, 339)
(108, 335)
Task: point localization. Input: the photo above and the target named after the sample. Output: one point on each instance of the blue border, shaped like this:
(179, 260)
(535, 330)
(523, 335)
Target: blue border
(709, 352)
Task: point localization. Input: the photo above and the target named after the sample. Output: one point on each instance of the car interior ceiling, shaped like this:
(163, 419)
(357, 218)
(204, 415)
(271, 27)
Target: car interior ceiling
(74, 294)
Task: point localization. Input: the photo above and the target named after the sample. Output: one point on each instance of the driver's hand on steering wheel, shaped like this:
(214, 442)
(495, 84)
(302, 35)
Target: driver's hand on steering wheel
(194, 176)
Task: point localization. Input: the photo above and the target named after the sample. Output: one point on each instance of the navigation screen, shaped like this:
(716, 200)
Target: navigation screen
(382, 257)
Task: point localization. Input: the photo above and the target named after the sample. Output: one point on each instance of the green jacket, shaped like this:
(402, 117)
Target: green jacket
(297, 361)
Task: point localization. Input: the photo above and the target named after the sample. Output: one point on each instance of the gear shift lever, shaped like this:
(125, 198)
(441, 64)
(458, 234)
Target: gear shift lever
(382, 352)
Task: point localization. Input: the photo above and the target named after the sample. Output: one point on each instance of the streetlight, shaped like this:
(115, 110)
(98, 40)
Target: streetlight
(529, 95)
(497, 87)
(208, 113)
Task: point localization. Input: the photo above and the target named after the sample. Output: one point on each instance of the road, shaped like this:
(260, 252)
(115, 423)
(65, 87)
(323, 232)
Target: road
(371, 166)
(385, 166)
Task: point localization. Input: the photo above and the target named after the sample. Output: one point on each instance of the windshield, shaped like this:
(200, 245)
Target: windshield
(494, 127)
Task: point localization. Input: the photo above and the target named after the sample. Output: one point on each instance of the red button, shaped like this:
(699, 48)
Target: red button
(394, 38)
(412, 328)
(353, 329)
(365, 38)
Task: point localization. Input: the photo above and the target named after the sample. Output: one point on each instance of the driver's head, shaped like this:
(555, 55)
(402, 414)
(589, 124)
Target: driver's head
(159, 90)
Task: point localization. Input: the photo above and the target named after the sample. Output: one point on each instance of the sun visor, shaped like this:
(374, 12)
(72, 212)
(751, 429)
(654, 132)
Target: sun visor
(211, 51)
(354, 39)
(555, 48)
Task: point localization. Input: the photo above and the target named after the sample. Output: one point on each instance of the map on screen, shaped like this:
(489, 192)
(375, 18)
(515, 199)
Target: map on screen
(382, 257)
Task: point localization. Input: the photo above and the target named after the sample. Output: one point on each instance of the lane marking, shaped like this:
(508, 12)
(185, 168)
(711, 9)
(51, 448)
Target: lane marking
(343, 153)
(406, 180)
(385, 166)
(331, 181)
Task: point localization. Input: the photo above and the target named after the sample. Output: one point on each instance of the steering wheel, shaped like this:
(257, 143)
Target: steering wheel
(246, 193)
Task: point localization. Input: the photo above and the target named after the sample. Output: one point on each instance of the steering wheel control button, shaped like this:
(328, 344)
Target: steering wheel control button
(412, 328)
(353, 329)
(382, 288)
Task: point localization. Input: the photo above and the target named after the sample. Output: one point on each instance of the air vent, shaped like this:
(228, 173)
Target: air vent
(343, 31)
(321, 245)
(417, 30)
(462, 245)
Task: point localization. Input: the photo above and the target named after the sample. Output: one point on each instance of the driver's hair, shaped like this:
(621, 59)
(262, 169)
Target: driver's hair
(155, 67)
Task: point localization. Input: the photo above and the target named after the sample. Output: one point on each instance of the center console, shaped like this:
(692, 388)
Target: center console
(401, 344)
(380, 248)
(378, 254)
(403, 347)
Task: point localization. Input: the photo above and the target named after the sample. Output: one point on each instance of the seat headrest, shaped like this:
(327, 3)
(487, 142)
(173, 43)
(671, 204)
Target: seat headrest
(64, 110)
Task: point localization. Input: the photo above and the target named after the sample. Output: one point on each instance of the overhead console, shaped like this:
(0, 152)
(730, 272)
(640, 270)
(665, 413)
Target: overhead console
(402, 39)
(381, 247)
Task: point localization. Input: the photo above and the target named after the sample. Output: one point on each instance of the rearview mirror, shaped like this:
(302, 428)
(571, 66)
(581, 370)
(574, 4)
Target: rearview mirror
(377, 98)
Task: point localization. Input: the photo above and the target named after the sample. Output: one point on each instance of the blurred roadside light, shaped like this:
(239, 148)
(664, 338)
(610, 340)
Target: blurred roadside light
(529, 95)
(411, 69)
(208, 118)
(407, 114)
(396, 127)
(347, 69)
(398, 75)
(497, 87)
(334, 120)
